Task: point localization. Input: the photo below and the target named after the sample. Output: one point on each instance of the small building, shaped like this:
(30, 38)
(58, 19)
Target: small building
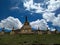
(2, 32)
(39, 31)
(12, 31)
(48, 31)
(56, 31)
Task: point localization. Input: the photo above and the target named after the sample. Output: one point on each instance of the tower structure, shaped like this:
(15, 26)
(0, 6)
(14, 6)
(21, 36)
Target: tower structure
(2, 32)
(48, 31)
(12, 31)
(56, 31)
(26, 28)
(39, 31)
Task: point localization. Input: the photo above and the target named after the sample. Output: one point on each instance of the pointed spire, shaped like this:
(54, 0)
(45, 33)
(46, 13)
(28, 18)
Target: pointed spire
(47, 29)
(38, 28)
(12, 28)
(26, 18)
(3, 29)
(55, 29)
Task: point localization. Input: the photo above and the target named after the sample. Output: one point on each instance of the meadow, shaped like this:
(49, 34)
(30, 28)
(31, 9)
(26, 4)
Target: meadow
(22, 39)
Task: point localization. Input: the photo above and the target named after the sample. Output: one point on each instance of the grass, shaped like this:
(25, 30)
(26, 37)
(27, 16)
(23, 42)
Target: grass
(30, 39)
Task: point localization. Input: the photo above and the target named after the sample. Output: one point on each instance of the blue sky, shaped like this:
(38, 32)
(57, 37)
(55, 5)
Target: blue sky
(41, 13)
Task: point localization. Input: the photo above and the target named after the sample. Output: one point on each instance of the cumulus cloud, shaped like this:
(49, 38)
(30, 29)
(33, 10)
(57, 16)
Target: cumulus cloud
(40, 7)
(53, 5)
(52, 29)
(42, 24)
(33, 7)
(10, 22)
(56, 21)
(45, 6)
(48, 16)
(1, 25)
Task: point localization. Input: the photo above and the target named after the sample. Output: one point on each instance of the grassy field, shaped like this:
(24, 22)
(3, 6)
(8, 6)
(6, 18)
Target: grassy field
(30, 39)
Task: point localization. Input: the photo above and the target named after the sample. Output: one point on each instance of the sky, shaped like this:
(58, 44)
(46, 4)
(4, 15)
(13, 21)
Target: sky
(41, 13)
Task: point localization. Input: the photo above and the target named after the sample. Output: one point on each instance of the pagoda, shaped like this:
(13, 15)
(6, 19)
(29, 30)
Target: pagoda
(26, 28)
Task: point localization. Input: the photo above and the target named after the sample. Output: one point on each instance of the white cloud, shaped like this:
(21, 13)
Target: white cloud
(56, 21)
(1, 25)
(13, 8)
(52, 29)
(11, 22)
(33, 7)
(15, 4)
(53, 5)
(48, 16)
(42, 24)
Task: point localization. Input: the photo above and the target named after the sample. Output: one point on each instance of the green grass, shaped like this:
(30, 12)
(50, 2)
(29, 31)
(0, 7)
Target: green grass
(30, 39)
